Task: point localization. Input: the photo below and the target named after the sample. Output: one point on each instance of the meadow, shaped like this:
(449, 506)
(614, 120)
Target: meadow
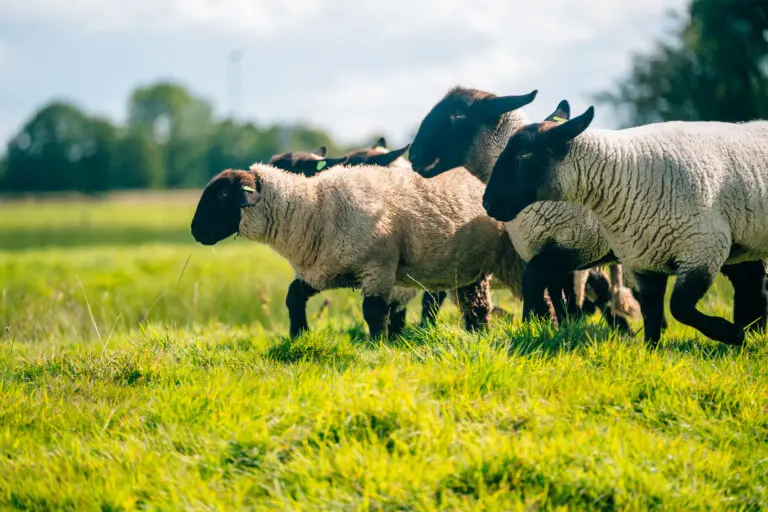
(139, 370)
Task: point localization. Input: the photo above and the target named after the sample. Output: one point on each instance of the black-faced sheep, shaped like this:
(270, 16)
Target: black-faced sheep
(678, 198)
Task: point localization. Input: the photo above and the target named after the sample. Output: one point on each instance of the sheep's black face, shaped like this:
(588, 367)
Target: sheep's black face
(446, 135)
(303, 162)
(218, 212)
(517, 175)
(524, 173)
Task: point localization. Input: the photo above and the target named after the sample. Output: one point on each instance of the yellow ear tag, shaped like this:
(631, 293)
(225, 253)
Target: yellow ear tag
(558, 119)
(321, 165)
(248, 189)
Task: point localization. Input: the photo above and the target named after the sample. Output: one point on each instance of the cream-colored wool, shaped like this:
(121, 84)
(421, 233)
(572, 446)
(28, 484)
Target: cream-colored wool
(384, 226)
(687, 191)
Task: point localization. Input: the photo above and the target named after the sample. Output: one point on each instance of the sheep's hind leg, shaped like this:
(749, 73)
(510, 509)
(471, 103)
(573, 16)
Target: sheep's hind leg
(750, 299)
(396, 320)
(299, 292)
(430, 306)
(652, 286)
(690, 287)
(601, 287)
(475, 304)
(375, 313)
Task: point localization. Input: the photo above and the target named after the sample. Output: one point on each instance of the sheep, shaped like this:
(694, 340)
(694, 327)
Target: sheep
(678, 198)
(469, 127)
(370, 227)
(309, 163)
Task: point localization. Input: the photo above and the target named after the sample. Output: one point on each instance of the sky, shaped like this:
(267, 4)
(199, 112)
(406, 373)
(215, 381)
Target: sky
(353, 67)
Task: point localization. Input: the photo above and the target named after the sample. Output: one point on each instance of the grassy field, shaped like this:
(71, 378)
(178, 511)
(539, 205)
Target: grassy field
(141, 371)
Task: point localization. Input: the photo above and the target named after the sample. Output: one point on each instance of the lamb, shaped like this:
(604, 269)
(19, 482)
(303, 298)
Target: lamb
(469, 128)
(365, 226)
(309, 163)
(676, 198)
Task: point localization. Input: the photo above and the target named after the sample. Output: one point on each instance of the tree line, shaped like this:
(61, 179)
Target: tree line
(712, 67)
(171, 139)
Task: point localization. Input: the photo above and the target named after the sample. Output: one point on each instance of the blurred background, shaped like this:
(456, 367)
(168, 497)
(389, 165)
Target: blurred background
(100, 95)
(114, 114)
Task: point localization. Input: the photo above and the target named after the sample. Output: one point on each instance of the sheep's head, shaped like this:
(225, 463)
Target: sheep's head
(523, 173)
(307, 163)
(376, 156)
(447, 136)
(218, 212)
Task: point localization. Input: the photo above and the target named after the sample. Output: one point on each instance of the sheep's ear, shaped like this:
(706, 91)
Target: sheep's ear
(325, 163)
(571, 129)
(321, 151)
(381, 142)
(386, 159)
(249, 194)
(495, 107)
(561, 114)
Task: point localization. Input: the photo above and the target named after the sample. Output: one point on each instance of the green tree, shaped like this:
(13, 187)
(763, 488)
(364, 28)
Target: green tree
(180, 123)
(61, 148)
(140, 162)
(714, 68)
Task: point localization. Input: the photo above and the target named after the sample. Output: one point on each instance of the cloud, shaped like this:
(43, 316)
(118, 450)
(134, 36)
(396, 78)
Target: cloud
(352, 67)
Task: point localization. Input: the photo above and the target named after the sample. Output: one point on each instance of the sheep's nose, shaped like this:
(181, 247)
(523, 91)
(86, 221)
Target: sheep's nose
(486, 204)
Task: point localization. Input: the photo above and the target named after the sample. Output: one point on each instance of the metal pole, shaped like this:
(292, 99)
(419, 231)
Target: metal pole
(234, 78)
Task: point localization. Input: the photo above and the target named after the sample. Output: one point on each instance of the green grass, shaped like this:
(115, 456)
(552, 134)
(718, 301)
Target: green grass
(139, 370)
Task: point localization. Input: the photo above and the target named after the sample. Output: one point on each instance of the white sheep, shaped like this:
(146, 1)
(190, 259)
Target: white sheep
(367, 226)
(469, 128)
(677, 198)
(310, 163)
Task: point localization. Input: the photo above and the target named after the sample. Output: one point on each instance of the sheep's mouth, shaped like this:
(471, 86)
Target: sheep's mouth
(431, 170)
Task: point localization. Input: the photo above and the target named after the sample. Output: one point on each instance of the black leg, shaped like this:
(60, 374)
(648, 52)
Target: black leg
(475, 304)
(750, 299)
(562, 294)
(396, 320)
(299, 292)
(535, 280)
(601, 288)
(375, 313)
(430, 306)
(689, 288)
(652, 287)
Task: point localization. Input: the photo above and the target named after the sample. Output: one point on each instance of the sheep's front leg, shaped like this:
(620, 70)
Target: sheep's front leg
(396, 320)
(562, 294)
(750, 299)
(690, 287)
(476, 304)
(299, 292)
(652, 286)
(375, 313)
(430, 306)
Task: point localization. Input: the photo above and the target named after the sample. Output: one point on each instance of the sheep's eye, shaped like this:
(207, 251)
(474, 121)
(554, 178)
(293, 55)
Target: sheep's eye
(457, 116)
(525, 156)
(223, 194)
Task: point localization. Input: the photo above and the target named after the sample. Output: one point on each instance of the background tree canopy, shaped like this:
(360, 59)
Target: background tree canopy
(171, 140)
(713, 68)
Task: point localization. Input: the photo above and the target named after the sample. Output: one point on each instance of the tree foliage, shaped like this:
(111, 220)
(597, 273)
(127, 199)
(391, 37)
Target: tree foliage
(171, 139)
(714, 68)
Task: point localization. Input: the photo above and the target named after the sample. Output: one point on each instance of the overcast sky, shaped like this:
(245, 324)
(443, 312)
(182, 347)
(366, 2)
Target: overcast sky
(353, 67)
